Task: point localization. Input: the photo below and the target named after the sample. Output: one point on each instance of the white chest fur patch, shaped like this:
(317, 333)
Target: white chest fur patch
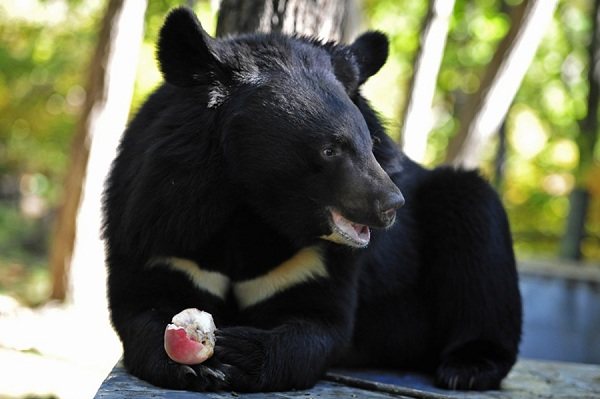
(306, 265)
(213, 282)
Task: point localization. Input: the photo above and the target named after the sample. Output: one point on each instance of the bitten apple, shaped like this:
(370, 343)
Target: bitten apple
(190, 339)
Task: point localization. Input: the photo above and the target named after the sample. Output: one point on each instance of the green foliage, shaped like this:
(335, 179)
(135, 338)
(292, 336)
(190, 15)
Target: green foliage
(555, 93)
(41, 86)
(23, 264)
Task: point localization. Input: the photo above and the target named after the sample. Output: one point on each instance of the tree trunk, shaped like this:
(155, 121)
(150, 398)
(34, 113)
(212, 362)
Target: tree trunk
(417, 116)
(111, 75)
(326, 19)
(64, 229)
(486, 109)
(586, 142)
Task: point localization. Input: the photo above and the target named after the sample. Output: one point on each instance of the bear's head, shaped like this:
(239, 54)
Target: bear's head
(294, 143)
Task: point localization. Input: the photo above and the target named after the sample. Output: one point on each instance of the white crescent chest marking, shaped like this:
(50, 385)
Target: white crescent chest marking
(213, 282)
(307, 264)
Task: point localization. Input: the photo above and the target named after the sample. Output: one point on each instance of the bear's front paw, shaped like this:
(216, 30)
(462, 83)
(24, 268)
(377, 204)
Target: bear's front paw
(241, 352)
(198, 378)
(179, 376)
(476, 365)
(480, 374)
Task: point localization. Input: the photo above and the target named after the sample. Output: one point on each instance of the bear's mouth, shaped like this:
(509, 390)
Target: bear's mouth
(347, 232)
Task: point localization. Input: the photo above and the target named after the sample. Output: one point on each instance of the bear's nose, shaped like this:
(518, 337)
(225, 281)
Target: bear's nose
(387, 208)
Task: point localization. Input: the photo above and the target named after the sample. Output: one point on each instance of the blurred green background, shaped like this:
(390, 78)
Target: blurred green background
(45, 47)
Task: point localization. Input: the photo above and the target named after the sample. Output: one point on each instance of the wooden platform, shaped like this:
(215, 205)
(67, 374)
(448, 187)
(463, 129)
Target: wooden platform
(529, 379)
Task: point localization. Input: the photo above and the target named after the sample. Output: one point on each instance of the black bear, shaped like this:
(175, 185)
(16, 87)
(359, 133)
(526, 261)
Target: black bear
(247, 186)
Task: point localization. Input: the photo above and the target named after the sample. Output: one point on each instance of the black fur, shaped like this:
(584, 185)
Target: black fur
(235, 162)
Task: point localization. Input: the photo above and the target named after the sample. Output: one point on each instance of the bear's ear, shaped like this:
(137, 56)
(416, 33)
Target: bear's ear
(370, 52)
(345, 68)
(185, 51)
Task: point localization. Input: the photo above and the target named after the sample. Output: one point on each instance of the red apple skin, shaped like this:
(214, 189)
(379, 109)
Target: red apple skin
(181, 349)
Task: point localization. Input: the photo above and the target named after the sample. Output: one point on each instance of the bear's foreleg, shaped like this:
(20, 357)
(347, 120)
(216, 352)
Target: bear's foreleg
(470, 272)
(293, 355)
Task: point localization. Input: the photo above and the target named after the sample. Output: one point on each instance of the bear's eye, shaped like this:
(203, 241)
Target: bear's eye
(329, 152)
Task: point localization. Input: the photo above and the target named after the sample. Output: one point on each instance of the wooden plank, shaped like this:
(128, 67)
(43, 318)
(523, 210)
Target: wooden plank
(121, 385)
(529, 379)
